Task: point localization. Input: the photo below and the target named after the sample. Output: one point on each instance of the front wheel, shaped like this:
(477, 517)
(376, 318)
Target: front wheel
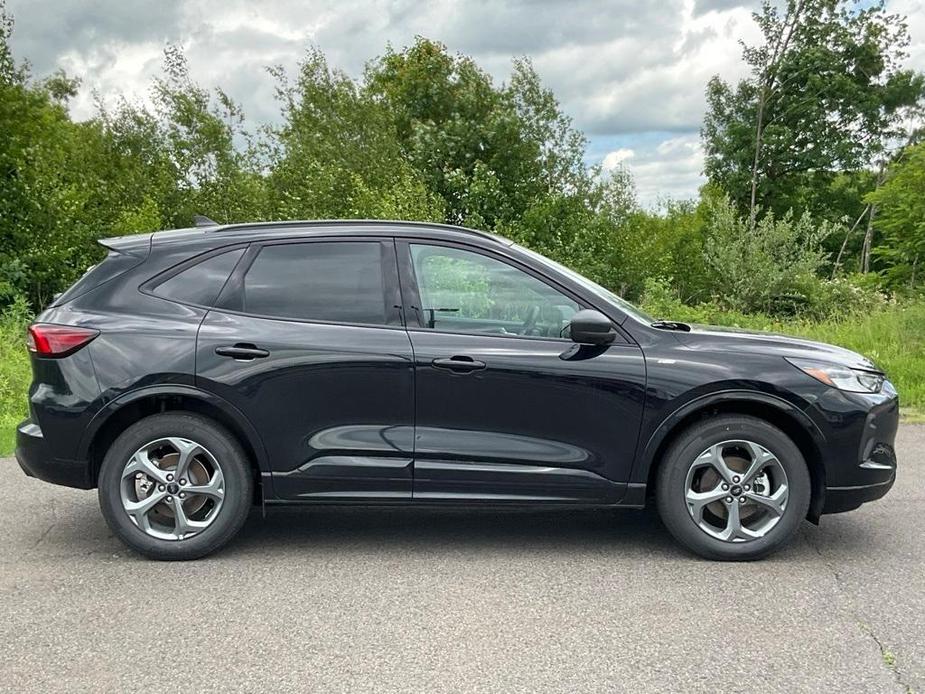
(175, 486)
(733, 488)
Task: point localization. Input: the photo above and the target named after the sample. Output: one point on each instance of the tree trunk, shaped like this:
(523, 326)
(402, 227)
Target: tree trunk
(841, 251)
(768, 78)
(868, 240)
(759, 131)
(869, 234)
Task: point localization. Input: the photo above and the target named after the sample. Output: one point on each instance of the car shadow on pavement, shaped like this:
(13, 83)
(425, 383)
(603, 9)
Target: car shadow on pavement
(363, 529)
(629, 532)
(340, 530)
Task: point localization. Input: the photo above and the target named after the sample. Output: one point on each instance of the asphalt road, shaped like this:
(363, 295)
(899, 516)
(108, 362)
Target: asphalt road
(411, 600)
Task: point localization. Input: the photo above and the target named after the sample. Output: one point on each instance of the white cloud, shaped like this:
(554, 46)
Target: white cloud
(617, 67)
(614, 159)
(914, 11)
(631, 74)
(668, 169)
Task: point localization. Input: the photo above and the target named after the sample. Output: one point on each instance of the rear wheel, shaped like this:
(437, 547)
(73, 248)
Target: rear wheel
(733, 488)
(175, 486)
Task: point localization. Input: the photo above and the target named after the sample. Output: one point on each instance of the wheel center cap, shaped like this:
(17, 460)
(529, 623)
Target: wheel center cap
(736, 490)
(173, 487)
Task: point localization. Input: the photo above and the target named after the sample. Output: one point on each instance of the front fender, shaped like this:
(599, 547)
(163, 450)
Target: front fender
(747, 399)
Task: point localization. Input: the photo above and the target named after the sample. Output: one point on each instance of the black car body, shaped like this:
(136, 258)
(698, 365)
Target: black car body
(311, 344)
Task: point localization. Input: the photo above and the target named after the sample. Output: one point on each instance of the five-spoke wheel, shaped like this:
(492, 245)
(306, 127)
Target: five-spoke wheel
(172, 488)
(736, 491)
(733, 487)
(175, 486)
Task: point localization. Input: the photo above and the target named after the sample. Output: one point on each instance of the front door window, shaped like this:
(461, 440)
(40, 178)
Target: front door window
(467, 292)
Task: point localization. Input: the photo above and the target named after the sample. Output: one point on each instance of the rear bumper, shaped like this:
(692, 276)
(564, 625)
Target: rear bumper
(35, 459)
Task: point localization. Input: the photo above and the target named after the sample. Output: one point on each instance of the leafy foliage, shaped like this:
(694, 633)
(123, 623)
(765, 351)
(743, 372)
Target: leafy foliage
(337, 155)
(427, 135)
(827, 94)
(770, 265)
(15, 372)
(901, 216)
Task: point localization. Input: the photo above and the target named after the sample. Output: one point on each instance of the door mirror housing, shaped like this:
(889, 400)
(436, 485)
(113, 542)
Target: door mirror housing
(591, 327)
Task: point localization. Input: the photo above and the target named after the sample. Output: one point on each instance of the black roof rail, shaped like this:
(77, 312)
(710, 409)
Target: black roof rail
(244, 226)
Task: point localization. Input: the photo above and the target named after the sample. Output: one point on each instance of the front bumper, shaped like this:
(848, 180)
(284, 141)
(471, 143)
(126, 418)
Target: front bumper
(875, 472)
(840, 499)
(36, 460)
(879, 474)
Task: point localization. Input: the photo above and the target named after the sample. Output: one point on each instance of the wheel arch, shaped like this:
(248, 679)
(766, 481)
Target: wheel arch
(795, 423)
(133, 406)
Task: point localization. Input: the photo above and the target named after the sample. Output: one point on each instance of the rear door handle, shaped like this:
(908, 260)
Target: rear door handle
(461, 364)
(242, 352)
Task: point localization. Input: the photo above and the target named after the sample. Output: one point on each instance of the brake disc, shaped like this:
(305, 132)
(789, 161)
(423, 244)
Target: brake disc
(198, 475)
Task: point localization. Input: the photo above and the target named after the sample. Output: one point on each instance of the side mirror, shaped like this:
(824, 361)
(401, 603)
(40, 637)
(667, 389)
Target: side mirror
(591, 327)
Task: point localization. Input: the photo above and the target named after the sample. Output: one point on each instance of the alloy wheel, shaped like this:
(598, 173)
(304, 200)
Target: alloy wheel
(172, 488)
(736, 491)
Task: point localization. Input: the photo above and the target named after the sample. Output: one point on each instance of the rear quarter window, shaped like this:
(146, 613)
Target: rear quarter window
(109, 268)
(200, 283)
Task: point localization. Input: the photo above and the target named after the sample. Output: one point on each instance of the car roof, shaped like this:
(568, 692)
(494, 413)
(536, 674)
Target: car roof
(254, 231)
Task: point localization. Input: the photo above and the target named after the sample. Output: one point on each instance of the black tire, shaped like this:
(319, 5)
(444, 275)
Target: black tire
(238, 485)
(671, 486)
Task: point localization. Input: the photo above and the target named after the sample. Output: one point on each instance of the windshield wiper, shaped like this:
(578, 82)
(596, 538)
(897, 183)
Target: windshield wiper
(671, 325)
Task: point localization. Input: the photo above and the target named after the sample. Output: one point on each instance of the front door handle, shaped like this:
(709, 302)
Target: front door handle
(242, 351)
(461, 364)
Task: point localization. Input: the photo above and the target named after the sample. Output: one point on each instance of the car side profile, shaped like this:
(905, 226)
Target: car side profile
(197, 372)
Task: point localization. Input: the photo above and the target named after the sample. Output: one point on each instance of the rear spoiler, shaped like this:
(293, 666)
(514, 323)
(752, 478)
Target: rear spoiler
(125, 253)
(138, 245)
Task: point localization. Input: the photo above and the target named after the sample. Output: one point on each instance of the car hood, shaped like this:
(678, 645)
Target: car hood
(709, 337)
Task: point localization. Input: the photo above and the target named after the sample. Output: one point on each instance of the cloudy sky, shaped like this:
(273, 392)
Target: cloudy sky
(631, 73)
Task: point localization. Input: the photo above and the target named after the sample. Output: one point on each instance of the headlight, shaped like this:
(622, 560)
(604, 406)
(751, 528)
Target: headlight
(841, 377)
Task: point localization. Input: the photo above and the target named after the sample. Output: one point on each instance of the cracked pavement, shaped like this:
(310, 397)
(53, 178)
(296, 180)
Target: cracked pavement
(416, 600)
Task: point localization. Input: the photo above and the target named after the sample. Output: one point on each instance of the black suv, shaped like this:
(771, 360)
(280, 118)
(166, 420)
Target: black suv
(197, 372)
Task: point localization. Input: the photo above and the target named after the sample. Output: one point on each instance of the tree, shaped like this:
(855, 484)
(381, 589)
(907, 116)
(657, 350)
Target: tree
(827, 94)
(489, 152)
(337, 153)
(44, 189)
(901, 217)
(561, 146)
(771, 268)
(202, 135)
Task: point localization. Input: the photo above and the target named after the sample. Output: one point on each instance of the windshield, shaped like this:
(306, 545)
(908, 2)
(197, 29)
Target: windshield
(593, 287)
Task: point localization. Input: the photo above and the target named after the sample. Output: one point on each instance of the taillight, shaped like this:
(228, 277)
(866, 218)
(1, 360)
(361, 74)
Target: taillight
(47, 340)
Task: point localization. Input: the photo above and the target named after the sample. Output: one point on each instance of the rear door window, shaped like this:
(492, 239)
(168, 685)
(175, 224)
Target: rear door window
(336, 281)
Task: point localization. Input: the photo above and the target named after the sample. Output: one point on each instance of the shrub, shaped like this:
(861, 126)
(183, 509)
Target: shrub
(769, 269)
(840, 298)
(15, 372)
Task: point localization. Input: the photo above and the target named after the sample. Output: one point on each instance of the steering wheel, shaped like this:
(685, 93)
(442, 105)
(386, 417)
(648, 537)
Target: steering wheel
(530, 321)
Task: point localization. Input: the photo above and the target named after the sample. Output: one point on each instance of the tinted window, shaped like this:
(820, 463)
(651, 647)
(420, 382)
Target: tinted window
(594, 287)
(201, 283)
(112, 266)
(337, 281)
(462, 291)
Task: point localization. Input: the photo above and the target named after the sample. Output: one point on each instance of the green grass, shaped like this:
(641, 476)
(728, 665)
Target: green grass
(15, 374)
(893, 337)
